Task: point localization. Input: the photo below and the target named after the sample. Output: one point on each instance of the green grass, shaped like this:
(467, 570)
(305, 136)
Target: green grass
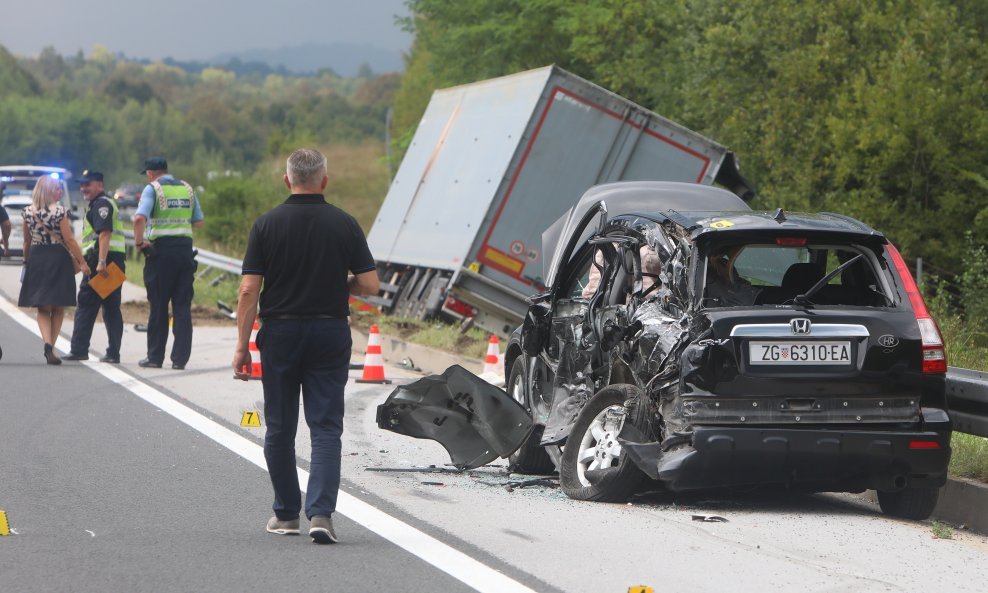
(941, 531)
(969, 457)
(434, 334)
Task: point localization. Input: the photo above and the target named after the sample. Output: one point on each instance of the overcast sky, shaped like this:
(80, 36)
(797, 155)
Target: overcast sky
(197, 29)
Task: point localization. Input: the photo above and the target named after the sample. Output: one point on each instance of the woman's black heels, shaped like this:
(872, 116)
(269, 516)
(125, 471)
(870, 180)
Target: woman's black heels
(50, 355)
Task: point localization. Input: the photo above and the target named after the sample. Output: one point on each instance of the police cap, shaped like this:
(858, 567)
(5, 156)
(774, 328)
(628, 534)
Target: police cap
(155, 163)
(89, 175)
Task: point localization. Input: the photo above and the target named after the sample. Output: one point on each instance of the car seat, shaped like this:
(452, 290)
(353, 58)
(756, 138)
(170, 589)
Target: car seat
(801, 277)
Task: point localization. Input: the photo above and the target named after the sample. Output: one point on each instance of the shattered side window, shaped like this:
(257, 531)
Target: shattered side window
(580, 282)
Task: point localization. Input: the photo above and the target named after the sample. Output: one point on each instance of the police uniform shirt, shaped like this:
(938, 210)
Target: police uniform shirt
(100, 217)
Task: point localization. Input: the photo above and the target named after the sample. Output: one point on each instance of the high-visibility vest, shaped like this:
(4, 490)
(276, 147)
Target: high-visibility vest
(172, 212)
(117, 238)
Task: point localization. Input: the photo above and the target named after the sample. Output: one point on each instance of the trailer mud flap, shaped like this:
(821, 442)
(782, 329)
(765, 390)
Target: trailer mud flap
(473, 420)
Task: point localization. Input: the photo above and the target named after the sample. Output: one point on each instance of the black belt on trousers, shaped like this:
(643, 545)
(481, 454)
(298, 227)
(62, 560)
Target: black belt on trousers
(266, 317)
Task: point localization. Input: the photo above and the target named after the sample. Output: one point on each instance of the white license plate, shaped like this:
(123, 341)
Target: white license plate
(789, 353)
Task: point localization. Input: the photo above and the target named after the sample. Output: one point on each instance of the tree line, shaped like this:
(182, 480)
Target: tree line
(109, 112)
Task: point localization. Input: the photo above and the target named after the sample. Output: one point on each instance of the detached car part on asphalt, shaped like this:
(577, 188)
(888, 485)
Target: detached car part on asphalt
(689, 341)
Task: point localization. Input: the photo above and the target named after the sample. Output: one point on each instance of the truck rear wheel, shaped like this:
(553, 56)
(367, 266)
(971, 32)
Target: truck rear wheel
(911, 503)
(594, 464)
(530, 458)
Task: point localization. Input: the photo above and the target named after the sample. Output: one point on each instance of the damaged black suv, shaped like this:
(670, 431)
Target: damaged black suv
(689, 342)
(726, 347)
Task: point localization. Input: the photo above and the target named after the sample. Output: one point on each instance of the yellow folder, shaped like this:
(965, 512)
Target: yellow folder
(114, 280)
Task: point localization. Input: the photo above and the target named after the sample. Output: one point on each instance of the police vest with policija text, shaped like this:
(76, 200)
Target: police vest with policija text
(172, 212)
(117, 238)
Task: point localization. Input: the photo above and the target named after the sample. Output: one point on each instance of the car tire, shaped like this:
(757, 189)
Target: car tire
(578, 477)
(531, 457)
(911, 503)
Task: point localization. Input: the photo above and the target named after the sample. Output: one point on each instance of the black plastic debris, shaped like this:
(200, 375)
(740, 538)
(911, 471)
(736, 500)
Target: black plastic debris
(226, 310)
(473, 420)
(546, 482)
(408, 364)
(709, 518)
(418, 470)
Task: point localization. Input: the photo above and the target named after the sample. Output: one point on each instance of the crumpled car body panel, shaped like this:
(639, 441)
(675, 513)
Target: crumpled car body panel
(473, 420)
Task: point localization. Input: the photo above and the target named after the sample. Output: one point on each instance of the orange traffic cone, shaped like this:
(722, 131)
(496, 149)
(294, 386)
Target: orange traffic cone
(373, 361)
(493, 356)
(493, 371)
(255, 354)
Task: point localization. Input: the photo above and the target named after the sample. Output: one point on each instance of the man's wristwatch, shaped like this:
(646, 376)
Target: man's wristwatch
(102, 261)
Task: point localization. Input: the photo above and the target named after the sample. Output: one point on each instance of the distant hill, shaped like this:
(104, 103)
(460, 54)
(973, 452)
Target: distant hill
(342, 58)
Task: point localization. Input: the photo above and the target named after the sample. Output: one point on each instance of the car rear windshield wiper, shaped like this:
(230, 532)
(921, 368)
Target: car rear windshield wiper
(804, 299)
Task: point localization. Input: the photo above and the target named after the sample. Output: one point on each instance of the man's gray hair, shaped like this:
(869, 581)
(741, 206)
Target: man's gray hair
(306, 168)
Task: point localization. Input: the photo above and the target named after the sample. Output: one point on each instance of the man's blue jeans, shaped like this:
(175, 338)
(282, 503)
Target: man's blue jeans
(311, 355)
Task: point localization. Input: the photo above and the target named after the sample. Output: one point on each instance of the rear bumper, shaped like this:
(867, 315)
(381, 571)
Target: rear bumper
(812, 459)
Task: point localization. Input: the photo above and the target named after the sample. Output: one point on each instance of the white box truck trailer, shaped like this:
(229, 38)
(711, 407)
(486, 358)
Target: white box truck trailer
(492, 164)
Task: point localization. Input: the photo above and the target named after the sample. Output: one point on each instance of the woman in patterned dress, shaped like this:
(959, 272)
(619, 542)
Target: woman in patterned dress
(49, 250)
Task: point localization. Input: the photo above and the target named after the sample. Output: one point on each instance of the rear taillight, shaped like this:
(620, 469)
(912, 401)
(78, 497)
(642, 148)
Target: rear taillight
(460, 308)
(934, 355)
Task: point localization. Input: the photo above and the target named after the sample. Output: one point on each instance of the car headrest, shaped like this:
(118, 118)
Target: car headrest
(802, 277)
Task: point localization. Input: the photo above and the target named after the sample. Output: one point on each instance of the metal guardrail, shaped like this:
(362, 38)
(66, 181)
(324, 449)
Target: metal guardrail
(220, 262)
(967, 400)
(206, 258)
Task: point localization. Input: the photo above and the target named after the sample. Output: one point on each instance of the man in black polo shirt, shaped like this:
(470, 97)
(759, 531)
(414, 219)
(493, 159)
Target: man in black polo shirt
(302, 252)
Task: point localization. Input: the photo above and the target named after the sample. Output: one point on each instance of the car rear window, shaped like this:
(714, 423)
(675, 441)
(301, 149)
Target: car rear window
(747, 274)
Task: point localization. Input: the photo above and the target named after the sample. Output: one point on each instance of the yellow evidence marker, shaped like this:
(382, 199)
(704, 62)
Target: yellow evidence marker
(4, 528)
(721, 224)
(640, 589)
(251, 419)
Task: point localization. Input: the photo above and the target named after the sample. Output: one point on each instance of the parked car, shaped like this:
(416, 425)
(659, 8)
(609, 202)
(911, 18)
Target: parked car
(128, 195)
(768, 349)
(20, 180)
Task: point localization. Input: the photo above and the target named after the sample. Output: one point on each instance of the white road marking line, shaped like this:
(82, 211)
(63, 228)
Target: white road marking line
(91, 533)
(469, 571)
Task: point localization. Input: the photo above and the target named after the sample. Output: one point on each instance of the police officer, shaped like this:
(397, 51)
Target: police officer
(102, 244)
(168, 210)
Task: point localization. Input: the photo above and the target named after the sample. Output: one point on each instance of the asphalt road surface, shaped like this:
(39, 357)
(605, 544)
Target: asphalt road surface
(117, 478)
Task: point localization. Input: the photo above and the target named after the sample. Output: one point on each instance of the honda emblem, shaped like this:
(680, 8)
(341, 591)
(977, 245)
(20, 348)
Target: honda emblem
(800, 325)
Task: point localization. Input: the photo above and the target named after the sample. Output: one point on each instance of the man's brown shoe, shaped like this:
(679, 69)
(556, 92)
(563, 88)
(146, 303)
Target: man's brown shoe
(321, 529)
(276, 525)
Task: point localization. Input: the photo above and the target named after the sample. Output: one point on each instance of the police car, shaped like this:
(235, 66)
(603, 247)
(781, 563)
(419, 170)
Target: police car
(18, 183)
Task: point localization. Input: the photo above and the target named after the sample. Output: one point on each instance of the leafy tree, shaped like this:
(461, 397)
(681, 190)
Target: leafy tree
(14, 79)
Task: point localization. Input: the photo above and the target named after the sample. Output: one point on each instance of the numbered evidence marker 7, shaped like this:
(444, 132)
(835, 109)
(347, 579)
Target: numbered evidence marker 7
(251, 419)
